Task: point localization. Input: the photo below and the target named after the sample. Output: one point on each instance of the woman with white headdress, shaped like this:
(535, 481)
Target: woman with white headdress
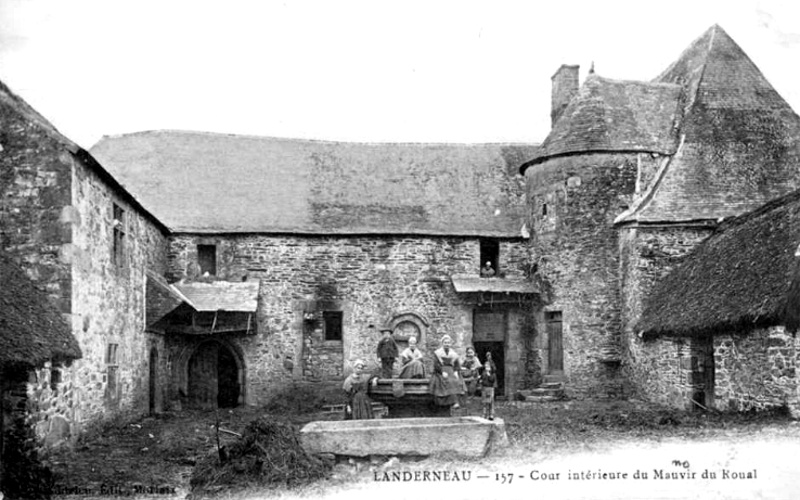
(411, 359)
(446, 386)
(356, 386)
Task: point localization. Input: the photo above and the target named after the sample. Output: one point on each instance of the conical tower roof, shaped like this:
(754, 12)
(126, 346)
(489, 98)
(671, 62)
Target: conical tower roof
(739, 139)
(615, 115)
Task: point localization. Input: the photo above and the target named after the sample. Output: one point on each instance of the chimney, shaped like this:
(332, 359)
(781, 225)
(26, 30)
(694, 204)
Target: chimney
(565, 86)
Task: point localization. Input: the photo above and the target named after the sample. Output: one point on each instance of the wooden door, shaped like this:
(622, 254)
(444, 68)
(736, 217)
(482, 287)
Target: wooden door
(555, 341)
(203, 382)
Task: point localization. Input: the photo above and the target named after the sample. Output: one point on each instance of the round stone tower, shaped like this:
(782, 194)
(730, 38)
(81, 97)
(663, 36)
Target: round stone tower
(606, 143)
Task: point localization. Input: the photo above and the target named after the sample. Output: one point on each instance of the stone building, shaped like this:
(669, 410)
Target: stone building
(728, 314)
(631, 178)
(328, 242)
(36, 345)
(231, 268)
(87, 243)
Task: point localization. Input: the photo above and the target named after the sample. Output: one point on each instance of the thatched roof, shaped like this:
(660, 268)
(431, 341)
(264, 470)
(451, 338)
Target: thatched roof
(743, 275)
(217, 183)
(615, 115)
(32, 330)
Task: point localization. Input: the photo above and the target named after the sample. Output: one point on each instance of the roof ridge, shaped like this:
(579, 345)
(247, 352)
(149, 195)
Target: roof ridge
(761, 210)
(200, 133)
(650, 192)
(646, 83)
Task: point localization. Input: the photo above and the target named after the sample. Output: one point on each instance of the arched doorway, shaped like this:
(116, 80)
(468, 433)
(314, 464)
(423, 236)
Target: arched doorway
(214, 377)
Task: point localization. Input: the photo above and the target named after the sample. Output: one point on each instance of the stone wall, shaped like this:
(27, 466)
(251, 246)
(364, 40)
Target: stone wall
(373, 280)
(757, 370)
(56, 219)
(574, 201)
(651, 368)
(35, 172)
(109, 299)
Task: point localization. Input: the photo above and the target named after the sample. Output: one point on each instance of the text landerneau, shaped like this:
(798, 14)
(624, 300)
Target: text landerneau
(424, 475)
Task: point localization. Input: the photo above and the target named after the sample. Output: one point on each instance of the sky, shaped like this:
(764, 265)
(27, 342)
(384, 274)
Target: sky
(365, 71)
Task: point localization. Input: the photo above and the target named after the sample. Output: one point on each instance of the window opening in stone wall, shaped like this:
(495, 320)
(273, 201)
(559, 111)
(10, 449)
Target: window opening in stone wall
(55, 379)
(207, 259)
(490, 253)
(112, 368)
(118, 243)
(544, 209)
(332, 324)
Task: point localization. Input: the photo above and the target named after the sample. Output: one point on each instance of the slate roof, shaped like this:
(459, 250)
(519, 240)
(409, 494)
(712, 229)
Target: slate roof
(471, 284)
(740, 140)
(615, 115)
(161, 298)
(216, 183)
(744, 275)
(16, 103)
(220, 295)
(731, 140)
(32, 330)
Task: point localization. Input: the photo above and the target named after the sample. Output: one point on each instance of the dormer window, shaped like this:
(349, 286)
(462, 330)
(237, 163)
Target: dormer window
(207, 259)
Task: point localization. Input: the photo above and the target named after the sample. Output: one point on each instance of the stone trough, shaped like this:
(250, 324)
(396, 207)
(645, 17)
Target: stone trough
(463, 436)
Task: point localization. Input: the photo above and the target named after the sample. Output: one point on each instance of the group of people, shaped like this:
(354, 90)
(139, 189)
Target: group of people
(452, 381)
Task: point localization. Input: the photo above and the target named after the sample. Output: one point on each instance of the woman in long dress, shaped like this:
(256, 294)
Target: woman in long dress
(411, 358)
(356, 386)
(446, 386)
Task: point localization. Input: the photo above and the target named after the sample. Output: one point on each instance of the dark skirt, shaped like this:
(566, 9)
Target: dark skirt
(361, 407)
(446, 390)
(413, 369)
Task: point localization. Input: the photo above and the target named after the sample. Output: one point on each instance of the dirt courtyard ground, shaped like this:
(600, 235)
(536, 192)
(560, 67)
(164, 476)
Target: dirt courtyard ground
(570, 449)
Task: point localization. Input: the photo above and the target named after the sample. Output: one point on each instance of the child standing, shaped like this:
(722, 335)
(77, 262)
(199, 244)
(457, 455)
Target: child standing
(488, 383)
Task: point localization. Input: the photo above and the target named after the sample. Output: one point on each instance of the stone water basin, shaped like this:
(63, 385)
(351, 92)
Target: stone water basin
(464, 436)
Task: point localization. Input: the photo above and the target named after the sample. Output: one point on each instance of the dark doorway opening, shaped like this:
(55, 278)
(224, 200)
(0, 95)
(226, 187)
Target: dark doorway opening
(498, 356)
(228, 376)
(153, 379)
(213, 377)
(703, 373)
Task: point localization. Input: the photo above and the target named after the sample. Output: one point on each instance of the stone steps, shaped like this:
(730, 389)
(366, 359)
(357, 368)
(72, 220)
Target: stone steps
(547, 391)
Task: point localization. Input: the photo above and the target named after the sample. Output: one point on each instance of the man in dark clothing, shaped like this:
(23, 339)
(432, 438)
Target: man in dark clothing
(387, 352)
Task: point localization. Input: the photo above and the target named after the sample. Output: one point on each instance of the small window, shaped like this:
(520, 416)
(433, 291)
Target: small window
(552, 316)
(333, 325)
(544, 209)
(112, 369)
(490, 253)
(55, 379)
(118, 243)
(207, 259)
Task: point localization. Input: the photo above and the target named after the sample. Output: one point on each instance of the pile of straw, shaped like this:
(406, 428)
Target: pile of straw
(268, 452)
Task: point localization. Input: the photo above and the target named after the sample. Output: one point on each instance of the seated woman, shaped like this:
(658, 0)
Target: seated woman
(411, 360)
(356, 386)
(446, 386)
